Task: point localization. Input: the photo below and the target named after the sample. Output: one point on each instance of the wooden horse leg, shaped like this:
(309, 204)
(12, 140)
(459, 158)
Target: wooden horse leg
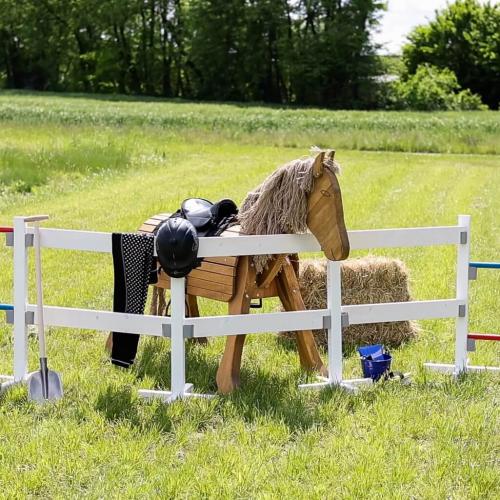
(289, 293)
(228, 374)
(194, 312)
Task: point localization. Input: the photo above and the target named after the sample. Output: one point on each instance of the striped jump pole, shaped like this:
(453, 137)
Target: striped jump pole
(8, 380)
(472, 337)
(485, 265)
(484, 336)
(6, 230)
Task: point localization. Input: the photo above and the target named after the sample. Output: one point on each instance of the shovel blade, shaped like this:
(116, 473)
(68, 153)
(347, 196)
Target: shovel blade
(35, 387)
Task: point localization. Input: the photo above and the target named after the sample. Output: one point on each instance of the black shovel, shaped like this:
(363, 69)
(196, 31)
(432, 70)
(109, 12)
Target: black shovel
(43, 385)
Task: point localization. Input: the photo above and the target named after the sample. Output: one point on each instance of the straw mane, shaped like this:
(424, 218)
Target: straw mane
(279, 204)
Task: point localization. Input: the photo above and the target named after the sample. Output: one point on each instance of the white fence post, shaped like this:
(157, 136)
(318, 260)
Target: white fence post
(334, 304)
(462, 320)
(20, 300)
(178, 350)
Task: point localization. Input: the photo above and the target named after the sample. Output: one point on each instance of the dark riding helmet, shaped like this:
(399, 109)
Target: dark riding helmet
(177, 247)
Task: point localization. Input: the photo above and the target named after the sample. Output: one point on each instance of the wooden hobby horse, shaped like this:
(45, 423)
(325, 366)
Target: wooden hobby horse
(304, 194)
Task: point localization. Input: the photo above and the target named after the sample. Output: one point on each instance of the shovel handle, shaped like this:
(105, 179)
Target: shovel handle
(39, 288)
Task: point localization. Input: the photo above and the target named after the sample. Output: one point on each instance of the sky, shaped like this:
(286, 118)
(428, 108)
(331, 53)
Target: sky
(400, 18)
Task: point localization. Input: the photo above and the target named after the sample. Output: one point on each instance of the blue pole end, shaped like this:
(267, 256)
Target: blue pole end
(485, 265)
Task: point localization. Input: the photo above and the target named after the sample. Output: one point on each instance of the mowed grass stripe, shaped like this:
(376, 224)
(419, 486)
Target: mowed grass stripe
(459, 132)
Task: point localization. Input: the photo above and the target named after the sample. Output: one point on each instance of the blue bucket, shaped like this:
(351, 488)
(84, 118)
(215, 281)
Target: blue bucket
(375, 368)
(372, 351)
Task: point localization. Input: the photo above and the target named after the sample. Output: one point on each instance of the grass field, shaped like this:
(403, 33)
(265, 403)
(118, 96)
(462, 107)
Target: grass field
(446, 132)
(109, 164)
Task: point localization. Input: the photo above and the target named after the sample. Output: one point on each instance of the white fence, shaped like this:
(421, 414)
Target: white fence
(178, 327)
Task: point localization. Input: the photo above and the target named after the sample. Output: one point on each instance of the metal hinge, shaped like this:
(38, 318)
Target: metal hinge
(166, 330)
(327, 322)
(463, 237)
(472, 273)
(188, 331)
(28, 240)
(461, 311)
(29, 317)
(344, 321)
(471, 345)
(9, 317)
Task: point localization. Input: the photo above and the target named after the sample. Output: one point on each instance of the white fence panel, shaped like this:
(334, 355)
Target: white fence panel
(218, 326)
(68, 317)
(178, 327)
(402, 311)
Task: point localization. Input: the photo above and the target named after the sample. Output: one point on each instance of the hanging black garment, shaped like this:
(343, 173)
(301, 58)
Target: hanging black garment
(132, 261)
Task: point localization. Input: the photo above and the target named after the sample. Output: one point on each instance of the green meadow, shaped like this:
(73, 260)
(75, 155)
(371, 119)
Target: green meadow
(108, 163)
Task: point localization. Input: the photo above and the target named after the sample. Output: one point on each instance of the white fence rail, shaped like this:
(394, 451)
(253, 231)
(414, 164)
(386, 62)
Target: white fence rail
(178, 327)
(92, 241)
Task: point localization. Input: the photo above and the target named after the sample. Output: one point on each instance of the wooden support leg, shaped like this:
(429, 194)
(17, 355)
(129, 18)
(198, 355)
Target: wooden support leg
(228, 374)
(194, 312)
(289, 293)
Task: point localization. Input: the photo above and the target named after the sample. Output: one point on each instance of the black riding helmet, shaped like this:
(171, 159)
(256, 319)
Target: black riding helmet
(177, 247)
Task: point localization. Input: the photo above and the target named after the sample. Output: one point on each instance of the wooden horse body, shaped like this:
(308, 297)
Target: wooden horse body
(235, 280)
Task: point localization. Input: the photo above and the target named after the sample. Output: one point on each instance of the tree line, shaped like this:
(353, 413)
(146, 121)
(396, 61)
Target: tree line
(307, 52)
(314, 52)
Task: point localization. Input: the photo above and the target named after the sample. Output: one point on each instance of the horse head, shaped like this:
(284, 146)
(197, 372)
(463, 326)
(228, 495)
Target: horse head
(300, 195)
(325, 213)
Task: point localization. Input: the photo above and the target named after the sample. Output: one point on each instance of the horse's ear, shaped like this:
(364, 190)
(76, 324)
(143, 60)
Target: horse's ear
(330, 154)
(318, 165)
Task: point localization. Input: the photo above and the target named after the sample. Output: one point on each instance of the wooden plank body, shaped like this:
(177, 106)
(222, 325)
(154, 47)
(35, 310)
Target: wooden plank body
(214, 279)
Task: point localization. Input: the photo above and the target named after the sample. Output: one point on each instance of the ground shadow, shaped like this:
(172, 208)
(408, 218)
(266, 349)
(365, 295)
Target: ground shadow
(289, 344)
(155, 362)
(262, 394)
(117, 403)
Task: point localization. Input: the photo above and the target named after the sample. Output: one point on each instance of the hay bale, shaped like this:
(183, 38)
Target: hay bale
(367, 280)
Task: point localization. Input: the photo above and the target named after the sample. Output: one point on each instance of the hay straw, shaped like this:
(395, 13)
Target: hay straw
(368, 280)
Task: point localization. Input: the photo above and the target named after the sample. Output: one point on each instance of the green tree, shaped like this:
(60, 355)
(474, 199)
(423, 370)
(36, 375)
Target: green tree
(334, 56)
(464, 37)
(33, 48)
(433, 89)
(300, 51)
